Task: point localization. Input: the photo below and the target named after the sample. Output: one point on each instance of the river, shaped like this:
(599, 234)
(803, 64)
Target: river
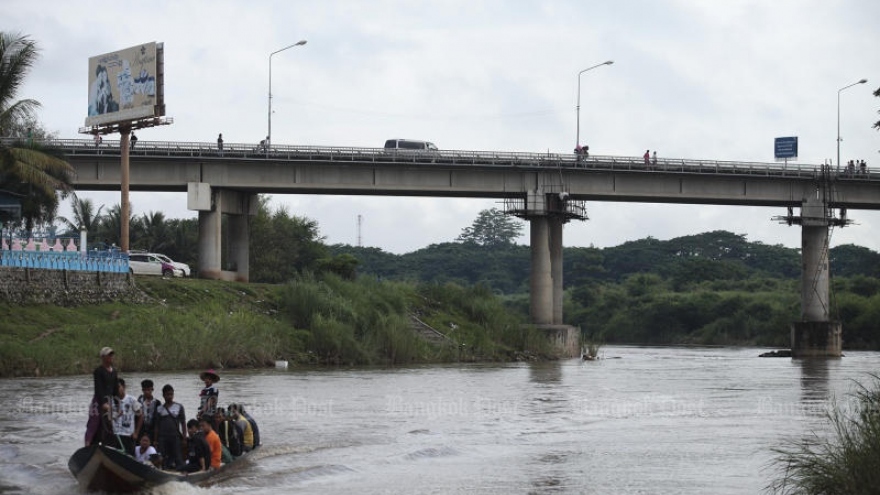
(642, 420)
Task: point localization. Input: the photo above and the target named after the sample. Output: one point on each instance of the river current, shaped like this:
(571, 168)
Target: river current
(642, 420)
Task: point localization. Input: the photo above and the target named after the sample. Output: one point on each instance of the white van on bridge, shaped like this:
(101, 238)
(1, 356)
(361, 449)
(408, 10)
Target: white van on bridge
(409, 145)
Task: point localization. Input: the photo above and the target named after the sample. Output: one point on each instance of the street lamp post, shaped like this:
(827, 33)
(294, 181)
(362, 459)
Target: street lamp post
(269, 135)
(863, 81)
(608, 62)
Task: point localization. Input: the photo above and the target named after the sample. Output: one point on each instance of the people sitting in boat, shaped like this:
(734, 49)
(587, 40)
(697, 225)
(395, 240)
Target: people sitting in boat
(169, 429)
(209, 396)
(198, 452)
(105, 378)
(230, 435)
(213, 440)
(148, 407)
(252, 422)
(247, 440)
(127, 418)
(144, 451)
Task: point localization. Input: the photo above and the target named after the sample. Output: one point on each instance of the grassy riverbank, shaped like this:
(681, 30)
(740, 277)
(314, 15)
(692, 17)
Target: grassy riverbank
(201, 323)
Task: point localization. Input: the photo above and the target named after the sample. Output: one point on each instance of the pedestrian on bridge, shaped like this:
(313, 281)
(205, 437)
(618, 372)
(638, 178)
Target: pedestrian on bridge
(220, 143)
(647, 157)
(134, 140)
(654, 158)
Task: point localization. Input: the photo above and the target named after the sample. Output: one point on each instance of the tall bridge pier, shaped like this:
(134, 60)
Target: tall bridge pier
(816, 334)
(547, 208)
(212, 204)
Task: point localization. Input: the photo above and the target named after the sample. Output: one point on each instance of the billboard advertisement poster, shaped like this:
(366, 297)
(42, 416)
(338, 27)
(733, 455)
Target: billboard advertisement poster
(123, 85)
(786, 148)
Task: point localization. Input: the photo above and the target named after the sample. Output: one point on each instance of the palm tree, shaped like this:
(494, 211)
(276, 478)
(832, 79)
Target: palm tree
(153, 230)
(84, 215)
(110, 226)
(26, 167)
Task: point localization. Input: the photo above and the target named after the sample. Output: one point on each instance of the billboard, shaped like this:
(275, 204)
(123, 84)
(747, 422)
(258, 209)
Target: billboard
(786, 148)
(126, 85)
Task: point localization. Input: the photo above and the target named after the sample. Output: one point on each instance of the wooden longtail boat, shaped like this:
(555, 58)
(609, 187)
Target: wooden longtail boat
(102, 468)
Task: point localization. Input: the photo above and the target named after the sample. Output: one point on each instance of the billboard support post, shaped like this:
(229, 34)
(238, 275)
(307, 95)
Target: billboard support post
(124, 181)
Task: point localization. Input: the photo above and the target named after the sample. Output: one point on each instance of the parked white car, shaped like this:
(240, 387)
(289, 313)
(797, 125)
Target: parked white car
(141, 263)
(180, 269)
(149, 264)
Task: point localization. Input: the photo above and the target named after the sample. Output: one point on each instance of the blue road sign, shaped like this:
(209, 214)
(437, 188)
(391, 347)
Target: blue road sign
(786, 147)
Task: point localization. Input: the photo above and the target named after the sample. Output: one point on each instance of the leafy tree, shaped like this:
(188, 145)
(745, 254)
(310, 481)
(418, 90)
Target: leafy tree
(28, 168)
(344, 265)
(491, 228)
(150, 232)
(849, 260)
(110, 228)
(183, 244)
(84, 215)
(282, 246)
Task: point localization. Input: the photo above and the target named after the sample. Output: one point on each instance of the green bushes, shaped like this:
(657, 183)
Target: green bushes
(645, 309)
(195, 324)
(845, 460)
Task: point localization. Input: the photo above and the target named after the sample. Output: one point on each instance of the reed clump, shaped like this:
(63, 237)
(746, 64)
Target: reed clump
(845, 459)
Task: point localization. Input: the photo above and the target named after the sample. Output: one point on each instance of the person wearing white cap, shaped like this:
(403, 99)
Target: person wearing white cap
(105, 380)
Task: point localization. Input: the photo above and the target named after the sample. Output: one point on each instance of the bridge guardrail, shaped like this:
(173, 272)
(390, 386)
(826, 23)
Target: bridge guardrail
(303, 153)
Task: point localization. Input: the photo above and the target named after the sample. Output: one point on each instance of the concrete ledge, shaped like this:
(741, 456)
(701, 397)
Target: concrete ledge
(565, 339)
(816, 339)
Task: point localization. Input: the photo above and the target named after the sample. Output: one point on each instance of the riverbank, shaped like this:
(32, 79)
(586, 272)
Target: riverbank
(193, 324)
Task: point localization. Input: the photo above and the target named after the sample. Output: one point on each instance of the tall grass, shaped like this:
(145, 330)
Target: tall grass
(316, 319)
(845, 460)
(353, 322)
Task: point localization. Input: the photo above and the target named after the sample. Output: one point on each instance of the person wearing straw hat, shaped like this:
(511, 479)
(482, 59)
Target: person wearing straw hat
(209, 397)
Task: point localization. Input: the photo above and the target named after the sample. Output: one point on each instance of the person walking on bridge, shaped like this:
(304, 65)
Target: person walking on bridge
(220, 143)
(647, 157)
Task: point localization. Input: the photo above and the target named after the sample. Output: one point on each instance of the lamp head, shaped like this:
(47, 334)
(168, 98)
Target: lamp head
(863, 81)
(300, 43)
(609, 62)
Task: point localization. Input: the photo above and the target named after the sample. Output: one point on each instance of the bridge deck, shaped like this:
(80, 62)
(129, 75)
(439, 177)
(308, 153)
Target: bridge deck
(170, 165)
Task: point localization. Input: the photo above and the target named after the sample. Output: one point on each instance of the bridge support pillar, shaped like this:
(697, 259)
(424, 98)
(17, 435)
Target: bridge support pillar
(547, 212)
(555, 238)
(541, 284)
(815, 335)
(239, 246)
(210, 224)
(212, 204)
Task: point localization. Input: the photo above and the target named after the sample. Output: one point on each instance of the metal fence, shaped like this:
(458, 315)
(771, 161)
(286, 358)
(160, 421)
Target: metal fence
(59, 253)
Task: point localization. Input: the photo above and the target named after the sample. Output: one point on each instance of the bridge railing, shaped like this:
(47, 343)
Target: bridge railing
(302, 153)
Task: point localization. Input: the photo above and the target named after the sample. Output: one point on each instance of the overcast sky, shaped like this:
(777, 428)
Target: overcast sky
(691, 78)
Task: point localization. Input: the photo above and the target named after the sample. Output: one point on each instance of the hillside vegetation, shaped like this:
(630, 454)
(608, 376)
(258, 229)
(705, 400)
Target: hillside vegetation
(310, 320)
(713, 288)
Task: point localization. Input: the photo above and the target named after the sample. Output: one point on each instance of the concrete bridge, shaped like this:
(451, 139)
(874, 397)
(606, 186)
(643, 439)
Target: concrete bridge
(547, 189)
